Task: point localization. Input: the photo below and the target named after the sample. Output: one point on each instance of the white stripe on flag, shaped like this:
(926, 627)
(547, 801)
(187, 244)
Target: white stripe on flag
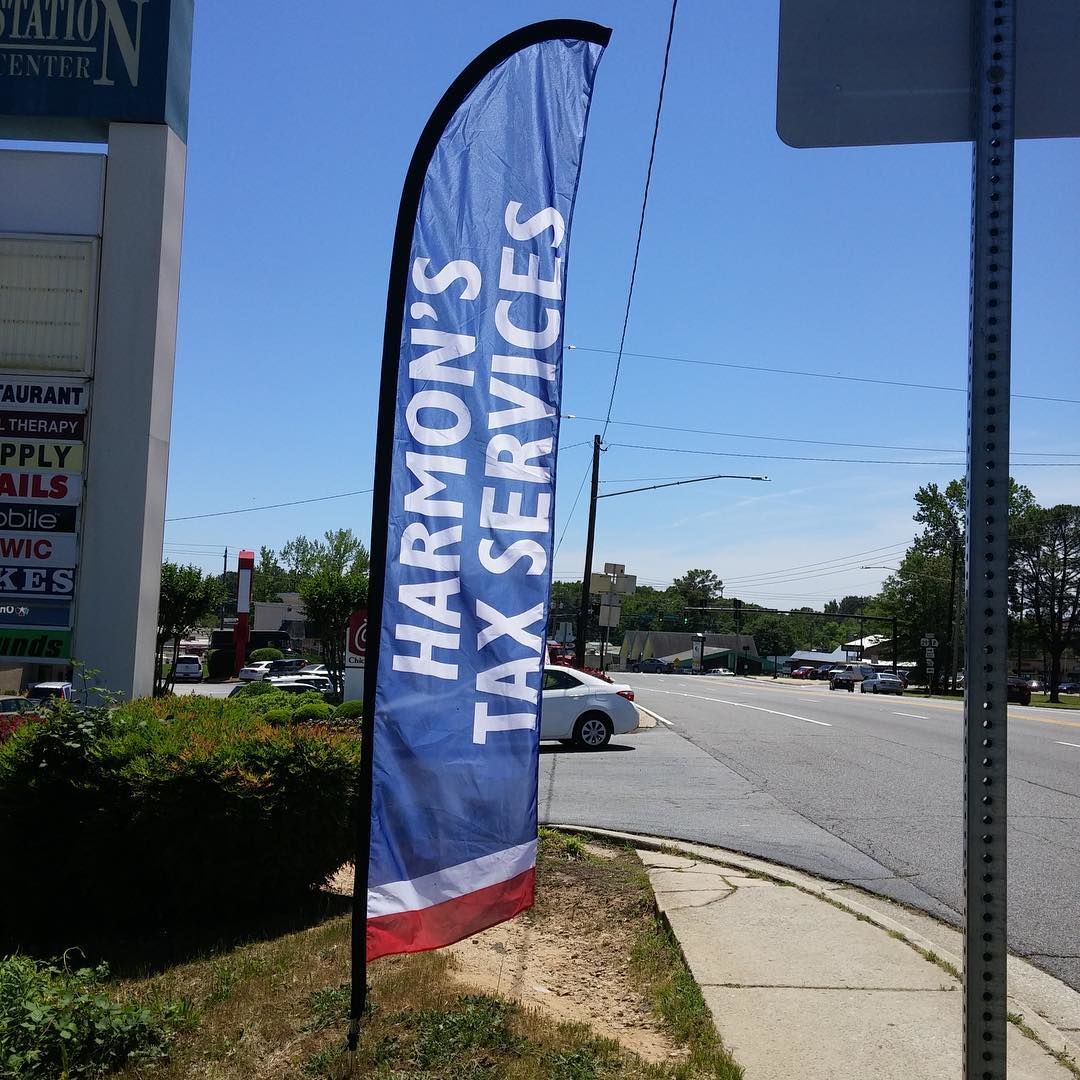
(448, 884)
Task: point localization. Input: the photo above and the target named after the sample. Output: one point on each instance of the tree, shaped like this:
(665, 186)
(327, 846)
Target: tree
(271, 579)
(772, 635)
(187, 597)
(334, 585)
(698, 589)
(1046, 563)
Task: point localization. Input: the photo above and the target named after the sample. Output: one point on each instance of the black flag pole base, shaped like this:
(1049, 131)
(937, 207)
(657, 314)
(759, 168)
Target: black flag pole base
(353, 1037)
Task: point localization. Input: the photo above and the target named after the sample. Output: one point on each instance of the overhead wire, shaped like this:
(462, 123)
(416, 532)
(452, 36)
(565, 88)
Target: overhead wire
(272, 506)
(806, 442)
(641, 222)
(834, 460)
(758, 369)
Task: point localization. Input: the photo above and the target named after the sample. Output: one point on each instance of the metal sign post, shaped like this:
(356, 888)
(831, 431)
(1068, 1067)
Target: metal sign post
(986, 651)
(929, 644)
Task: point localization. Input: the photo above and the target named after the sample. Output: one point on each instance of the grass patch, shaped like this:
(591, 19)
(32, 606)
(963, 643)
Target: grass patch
(277, 1009)
(678, 1001)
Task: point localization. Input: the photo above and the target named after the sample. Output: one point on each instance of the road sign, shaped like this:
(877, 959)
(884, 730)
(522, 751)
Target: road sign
(928, 642)
(854, 73)
(609, 614)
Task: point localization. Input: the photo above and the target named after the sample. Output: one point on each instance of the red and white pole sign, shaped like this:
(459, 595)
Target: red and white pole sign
(356, 645)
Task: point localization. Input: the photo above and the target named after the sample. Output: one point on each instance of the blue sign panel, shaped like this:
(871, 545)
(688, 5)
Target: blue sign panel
(69, 69)
(34, 612)
(471, 502)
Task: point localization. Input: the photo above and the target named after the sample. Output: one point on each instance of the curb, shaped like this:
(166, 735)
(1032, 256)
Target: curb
(1042, 1031)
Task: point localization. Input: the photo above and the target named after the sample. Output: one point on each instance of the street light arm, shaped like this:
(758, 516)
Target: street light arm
(677, 483)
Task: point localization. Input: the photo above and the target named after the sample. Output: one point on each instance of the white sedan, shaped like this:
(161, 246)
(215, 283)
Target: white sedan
(255, 672)
(584, 710)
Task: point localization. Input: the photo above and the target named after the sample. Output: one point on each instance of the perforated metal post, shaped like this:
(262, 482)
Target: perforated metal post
(986, 652)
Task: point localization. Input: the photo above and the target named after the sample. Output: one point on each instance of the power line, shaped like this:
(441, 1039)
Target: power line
(878, 552)
(809, 374)
(272, 506)
(807, 442)
(570, 516)
(644, 205)
(838, 461)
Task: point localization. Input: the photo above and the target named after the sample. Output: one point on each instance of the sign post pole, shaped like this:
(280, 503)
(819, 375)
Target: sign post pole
(986, 651)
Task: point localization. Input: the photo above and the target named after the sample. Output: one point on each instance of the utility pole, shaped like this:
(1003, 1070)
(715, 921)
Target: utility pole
(224, 586)
(954, 622)
(737, 604)
(583, 609)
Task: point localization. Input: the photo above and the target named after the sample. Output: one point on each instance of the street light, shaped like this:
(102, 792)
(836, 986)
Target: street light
(583, 611)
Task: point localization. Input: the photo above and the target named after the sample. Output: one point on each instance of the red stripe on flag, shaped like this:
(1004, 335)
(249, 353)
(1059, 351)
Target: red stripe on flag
(443, 924)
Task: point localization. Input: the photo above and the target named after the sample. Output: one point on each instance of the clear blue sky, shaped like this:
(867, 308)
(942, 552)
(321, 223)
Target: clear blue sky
(851, 262)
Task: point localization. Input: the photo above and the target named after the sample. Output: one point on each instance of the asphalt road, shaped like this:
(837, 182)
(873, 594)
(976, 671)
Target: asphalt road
(856, 788)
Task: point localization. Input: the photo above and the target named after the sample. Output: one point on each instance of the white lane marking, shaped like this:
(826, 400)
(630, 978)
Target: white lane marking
(914, 716)
(1077, 745)
(743, 705)
(655, 716)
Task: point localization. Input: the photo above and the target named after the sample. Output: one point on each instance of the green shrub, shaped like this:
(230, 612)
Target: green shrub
(170, 808)
(58, 1022)
(265, 654)
(349, 710)
(313, 712)
(277, 717)
(220, 663)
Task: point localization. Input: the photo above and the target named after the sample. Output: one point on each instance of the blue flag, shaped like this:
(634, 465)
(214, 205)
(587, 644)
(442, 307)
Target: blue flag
(469, 522)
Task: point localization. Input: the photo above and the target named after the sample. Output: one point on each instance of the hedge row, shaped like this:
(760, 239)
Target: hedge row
(170, 808)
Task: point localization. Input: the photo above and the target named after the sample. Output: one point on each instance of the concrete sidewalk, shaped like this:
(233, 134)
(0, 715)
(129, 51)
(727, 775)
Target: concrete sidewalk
(813, 979)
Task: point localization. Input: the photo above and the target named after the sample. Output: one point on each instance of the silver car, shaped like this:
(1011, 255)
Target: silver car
(881, 682)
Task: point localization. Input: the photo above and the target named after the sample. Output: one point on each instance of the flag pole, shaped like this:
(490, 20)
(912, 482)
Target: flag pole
(451, 101)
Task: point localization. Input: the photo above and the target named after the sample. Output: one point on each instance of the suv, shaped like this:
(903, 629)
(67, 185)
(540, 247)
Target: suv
(188, 667)
(278, 668)
(849, 676)
(1019, 691)
(47, 691)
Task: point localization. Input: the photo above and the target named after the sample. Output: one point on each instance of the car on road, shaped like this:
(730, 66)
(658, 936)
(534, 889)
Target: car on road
(804, 672)
(881, 682)
(846, 678)
(822, 671)
(719, 671)
(1018, 691)
(581, 710)
(1036, 686)
(652, 666)
(187, 668)
(255, 671)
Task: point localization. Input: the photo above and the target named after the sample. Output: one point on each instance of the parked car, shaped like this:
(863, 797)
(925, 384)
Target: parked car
(881, 682)
(255, 671)
(187, 667)
(653, 666)
(48, 691)
(582, 710)
(315, 669)
(321, 684)
(286, 667)
(290, 686)
(719, 671)
(1069, 686)
(822, 671)
(846, 678)
(1018, 691)
(804, 672)
(1036, 686)
(14, 712)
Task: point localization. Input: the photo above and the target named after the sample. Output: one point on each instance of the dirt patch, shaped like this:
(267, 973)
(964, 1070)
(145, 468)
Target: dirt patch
(570, 957)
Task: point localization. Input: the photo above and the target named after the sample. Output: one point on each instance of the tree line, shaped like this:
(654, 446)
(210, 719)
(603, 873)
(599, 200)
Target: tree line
(329, 574)
(925, 594)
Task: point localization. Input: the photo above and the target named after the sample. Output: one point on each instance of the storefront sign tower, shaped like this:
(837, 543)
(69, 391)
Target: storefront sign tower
(89, 282)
